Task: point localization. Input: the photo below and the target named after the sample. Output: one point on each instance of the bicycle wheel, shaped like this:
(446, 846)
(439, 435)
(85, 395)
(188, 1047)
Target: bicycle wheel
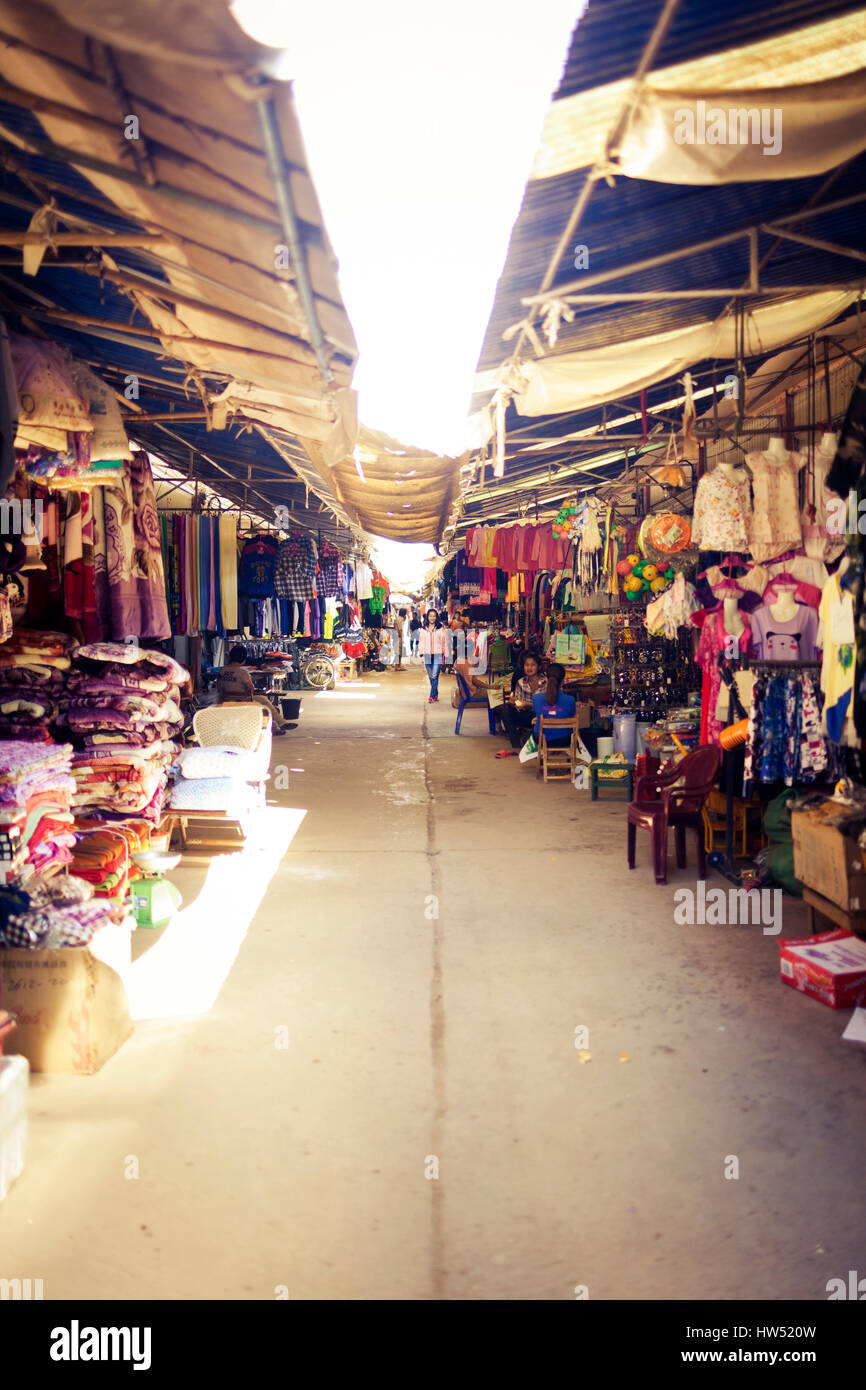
(319, 673)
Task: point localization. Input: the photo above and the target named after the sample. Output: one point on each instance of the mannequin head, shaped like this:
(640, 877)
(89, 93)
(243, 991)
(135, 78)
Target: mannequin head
(776, 447)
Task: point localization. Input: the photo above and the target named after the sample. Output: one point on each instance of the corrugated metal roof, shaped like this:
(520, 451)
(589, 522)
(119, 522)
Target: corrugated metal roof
(609, 39)
(637, 219)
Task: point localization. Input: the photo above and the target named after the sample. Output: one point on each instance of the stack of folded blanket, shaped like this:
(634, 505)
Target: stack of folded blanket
(57, 912)
(102, 856)
(36, 825)
(33, 669)
(122, 713)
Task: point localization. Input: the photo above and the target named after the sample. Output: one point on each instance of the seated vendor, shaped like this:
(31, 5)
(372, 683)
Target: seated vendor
(552, 702)
(234, 683)
(517, 712)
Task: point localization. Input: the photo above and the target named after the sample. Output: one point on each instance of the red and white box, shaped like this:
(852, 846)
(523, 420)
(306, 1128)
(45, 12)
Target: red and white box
(830, 967)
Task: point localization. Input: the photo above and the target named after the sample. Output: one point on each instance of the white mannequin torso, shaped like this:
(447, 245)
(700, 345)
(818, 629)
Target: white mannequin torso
(729, 471)
(733, 618)
(776, 449)
(784, 607)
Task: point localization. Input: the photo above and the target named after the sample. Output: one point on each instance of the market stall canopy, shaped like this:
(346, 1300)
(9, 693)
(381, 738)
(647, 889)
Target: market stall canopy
(614, 287)
(391, 489)
(171, 114)
(573, 380)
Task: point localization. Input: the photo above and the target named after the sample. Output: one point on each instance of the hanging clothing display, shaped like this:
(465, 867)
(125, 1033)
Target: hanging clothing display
(820, 540)
(329, 581)
(838, 668)
(363, 580)
(723, 511)
(295, 573)
(784, 741)
(775, 524)
(714, 640)
(257, 567)
(136, 579)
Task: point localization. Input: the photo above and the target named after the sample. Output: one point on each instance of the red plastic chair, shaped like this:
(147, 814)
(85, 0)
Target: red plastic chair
(674, 799)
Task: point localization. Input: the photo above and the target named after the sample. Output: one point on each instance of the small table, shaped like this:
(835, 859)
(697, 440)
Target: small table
(610, 775)
(818, 906)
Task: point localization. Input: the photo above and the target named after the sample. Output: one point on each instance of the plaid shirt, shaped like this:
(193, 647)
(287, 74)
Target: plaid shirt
(330, 578)
(295, 576)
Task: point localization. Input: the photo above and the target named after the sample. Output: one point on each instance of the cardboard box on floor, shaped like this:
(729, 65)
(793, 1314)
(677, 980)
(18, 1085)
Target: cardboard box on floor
(71, 1006)
(829, 862)
(830, 967)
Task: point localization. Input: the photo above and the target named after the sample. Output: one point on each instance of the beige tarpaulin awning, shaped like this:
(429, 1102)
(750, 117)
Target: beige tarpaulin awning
(576, 380)
(391, 489)
(168, 110)
(815, 73)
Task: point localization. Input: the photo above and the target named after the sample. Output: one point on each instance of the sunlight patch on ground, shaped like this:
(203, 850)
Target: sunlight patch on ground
(184, 971)
(344, 695)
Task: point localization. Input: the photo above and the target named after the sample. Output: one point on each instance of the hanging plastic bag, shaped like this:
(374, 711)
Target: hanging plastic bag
(582, 760)
(529, 750)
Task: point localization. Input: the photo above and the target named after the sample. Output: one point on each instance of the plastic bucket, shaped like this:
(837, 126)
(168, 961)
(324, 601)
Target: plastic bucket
(625, 735)
(605, 746)
(641, 743)
(291, 707)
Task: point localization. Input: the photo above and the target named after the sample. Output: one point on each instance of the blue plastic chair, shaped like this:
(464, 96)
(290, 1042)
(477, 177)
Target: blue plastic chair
(467, 699)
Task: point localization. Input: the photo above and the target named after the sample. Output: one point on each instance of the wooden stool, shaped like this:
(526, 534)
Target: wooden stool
(598, 772)
(714, 815)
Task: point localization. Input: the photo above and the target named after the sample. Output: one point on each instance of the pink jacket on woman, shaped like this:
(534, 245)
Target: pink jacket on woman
(435, 643)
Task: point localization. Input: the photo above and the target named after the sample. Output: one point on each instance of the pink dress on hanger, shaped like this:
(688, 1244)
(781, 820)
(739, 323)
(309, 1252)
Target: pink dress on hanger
(714, 640)
(775, 524)
(819, 542)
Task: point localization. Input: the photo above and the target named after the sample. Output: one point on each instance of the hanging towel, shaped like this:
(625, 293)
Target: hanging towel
(203, 569)
(228, 572)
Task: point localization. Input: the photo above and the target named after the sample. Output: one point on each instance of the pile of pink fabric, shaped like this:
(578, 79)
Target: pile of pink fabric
(36, 824)
(122, 713)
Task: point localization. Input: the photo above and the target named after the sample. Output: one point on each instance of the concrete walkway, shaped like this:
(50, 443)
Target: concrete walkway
(315, 1042)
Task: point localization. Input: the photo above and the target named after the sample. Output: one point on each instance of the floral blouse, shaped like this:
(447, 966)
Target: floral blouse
(776, 523)
(723, 512)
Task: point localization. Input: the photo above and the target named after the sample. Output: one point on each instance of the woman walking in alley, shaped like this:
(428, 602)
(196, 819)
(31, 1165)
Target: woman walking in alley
(434, 645)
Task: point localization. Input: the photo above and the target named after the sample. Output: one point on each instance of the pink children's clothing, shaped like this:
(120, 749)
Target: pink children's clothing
(775, 524)
(714, 640)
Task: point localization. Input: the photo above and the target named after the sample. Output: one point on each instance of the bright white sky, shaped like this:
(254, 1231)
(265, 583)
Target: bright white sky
(420, 124)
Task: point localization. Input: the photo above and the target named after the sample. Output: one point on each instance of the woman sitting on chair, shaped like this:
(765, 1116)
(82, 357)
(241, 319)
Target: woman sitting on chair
(517, 712)
(234, 683)
(551, 702)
